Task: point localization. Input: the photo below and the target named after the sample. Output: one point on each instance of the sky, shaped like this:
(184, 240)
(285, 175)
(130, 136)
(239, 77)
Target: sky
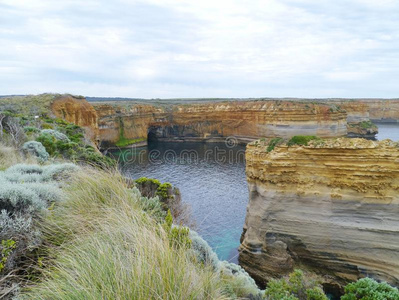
(202, 48)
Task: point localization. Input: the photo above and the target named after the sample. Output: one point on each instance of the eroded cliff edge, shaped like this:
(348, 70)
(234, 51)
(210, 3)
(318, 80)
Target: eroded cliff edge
(332, 207)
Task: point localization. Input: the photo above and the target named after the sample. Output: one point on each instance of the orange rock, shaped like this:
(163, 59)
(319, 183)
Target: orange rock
(77, 111)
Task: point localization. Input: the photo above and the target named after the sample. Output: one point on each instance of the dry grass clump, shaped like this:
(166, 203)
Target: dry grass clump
(10, 156)
(106, 247)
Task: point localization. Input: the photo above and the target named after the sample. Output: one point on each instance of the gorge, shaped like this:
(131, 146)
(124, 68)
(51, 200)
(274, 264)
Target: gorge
(330, 208)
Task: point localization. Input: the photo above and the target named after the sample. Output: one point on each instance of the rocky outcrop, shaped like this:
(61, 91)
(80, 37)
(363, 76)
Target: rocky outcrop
(331, 207)
(77, 111)
(246, 120)
(364, 129)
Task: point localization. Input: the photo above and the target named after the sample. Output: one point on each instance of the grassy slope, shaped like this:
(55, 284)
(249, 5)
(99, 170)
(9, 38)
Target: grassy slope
(28, 105)
(108, 248)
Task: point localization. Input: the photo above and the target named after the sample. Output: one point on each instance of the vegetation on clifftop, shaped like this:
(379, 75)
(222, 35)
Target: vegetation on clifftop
(302, 140)
(60, 139)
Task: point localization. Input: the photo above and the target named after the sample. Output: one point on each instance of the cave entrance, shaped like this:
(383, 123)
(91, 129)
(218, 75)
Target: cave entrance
(152, 135)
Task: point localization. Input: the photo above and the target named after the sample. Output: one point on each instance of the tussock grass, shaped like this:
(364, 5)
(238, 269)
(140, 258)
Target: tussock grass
(10, 156)
(105, 247)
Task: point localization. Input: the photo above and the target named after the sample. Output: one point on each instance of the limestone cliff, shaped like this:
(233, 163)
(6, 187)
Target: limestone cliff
(77, 111)
(247, 120)
(331, 206)
(377, 110)
(123, 120)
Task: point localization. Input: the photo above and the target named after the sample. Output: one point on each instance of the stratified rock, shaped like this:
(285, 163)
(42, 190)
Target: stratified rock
(332, 207)
(212, 121)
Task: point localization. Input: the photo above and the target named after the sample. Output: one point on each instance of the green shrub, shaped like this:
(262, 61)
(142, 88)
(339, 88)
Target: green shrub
(163, 191)
(30, 129)
(47, 126)
(48, 141)
(369, 289)
(58, 135)
(367, 125)
(7, 246)
(83, 155)
(296, 286)
(61, 121)
(273, 143)
(178, 235)
(302, 140)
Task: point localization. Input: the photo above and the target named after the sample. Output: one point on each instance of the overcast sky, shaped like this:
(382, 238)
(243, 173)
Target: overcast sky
(200, 48)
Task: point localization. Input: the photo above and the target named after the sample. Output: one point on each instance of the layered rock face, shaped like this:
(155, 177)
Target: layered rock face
(331, 207)
(77, 111)
(244, 119)
(377, 110)
(124, 120)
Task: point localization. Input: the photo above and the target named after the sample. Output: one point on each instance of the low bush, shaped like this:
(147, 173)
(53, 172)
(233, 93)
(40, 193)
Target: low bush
(37, 149)
(49, 142)
(26, 191)
(367, 124)
(369, 289)
(47, 126)
(297, 286)
(30, 129)
(58, 135)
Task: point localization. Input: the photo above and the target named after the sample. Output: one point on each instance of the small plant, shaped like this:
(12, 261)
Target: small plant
(178, 235)
(273, 143)
(47, 126)
(7, 246)
(302, 140)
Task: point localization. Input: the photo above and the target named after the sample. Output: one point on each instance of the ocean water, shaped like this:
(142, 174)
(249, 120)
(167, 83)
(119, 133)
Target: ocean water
(388, 131)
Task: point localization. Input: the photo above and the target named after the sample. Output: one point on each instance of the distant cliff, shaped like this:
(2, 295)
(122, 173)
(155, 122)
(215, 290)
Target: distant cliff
(332, 206)
(377, 110)
(116, 121)
(247, 120)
